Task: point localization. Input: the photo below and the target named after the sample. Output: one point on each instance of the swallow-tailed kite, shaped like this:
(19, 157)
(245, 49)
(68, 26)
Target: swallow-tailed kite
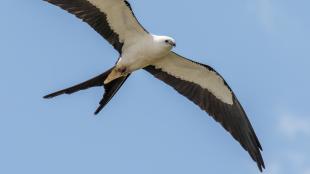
(115, 21)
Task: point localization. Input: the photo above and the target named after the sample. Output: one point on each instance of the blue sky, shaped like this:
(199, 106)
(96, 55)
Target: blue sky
(261, 47)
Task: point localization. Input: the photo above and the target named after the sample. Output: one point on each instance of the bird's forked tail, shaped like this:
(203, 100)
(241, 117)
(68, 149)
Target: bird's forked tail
(110, 88)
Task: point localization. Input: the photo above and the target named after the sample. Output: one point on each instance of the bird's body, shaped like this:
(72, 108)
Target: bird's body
(143, 52)
(115, 21)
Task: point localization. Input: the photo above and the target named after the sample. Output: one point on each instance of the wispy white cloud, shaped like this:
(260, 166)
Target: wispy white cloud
(306, 171)
(274, 168)
(264, 12)
(292, 161)
(276, 17)
(294, 126)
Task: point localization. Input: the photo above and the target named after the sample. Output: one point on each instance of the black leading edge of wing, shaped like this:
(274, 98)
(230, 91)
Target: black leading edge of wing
(232, 117)
(93, 16)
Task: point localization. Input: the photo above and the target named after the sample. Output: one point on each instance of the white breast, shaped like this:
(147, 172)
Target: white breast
(142, 53)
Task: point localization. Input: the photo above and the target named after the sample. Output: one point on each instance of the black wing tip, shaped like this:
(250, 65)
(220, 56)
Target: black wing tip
(256, 152)
(260, 162)
(261, 166)
(257, 157)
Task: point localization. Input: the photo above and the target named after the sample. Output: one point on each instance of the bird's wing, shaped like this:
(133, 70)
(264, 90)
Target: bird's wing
(112, 19)
(206, 88)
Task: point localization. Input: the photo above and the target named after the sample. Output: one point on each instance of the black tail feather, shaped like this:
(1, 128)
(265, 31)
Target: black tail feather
(96, 81)
(110, 88)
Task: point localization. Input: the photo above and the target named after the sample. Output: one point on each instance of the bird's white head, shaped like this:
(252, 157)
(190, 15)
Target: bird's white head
(165, 42)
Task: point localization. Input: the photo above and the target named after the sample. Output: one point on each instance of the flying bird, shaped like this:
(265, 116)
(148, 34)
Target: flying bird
(138, 49)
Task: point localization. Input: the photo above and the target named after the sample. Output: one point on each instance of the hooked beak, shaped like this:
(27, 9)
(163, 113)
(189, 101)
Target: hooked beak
(173, 44)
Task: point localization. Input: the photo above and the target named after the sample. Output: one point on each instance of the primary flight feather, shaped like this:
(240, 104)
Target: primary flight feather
(115, 21)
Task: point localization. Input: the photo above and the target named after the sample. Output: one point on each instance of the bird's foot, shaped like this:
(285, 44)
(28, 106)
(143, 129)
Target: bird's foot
(122, 70)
